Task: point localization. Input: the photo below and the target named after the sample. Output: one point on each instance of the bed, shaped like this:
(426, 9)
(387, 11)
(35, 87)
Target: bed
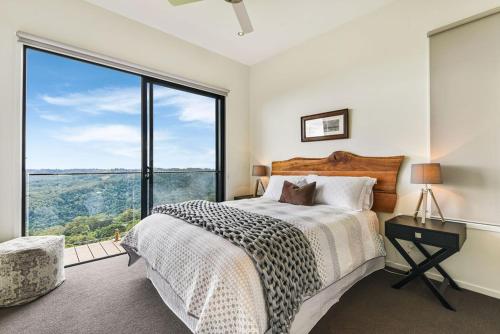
(213, 286)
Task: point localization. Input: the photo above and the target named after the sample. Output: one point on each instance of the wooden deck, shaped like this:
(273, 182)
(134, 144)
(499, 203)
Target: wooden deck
(73, 255)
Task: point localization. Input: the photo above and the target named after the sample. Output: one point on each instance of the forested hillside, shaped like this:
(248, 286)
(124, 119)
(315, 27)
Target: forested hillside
(87, 207)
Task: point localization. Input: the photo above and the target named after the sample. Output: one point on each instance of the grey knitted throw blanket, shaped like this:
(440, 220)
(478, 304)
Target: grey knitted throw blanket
(281, 253)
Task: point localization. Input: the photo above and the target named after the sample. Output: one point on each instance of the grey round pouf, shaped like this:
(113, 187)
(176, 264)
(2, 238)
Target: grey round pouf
(29, 268)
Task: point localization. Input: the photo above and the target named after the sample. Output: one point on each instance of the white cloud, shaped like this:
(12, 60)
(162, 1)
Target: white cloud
(115, 139)
(102, 133)
(191, 107)
(170, 155)
(112, 133)
(55, 118)
(118, 100)
(133, 151)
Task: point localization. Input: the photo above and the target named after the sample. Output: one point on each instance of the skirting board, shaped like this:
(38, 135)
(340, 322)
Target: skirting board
(437, 277)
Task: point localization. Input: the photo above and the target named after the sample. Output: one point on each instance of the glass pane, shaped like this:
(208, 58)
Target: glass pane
(174, 187)
(184, 150)
(83, 148)
(85, 208)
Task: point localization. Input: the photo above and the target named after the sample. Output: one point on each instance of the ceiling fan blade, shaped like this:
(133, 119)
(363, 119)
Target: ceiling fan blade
(181, 2)
(243, 18)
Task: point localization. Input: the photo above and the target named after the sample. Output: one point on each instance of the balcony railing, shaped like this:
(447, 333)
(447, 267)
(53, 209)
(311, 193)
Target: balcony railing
(88, 207)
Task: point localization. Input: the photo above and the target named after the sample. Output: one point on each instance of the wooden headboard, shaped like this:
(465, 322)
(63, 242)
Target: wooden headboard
(384, 169)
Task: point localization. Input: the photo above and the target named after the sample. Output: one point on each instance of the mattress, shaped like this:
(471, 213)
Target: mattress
(216, 283)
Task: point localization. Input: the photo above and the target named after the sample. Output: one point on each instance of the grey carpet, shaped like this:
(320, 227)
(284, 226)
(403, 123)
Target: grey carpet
(107, 297)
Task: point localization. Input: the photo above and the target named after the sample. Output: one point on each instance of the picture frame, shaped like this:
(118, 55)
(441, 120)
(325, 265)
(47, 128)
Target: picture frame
(325, 126)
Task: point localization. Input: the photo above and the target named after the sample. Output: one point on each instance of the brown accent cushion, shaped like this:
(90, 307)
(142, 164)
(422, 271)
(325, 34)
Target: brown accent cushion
(296, 195)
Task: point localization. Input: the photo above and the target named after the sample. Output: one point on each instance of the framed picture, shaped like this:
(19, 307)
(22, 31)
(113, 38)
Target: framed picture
(325, 126)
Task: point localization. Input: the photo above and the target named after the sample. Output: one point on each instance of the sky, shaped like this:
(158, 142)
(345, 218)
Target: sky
(81, 115)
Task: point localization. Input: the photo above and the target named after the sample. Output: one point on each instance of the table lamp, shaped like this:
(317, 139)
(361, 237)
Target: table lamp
(259, 170)
(429, 173)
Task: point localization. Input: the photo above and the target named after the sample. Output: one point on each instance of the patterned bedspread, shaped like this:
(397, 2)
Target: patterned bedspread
(218, 282)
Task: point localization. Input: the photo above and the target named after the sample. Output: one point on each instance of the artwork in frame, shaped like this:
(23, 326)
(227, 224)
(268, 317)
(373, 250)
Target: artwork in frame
(325, 126)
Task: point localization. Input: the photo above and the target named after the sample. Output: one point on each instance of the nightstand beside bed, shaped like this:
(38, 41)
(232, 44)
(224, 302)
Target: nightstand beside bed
(448, 236)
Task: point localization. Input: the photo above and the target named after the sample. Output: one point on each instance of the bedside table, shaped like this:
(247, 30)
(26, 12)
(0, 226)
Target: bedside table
(448, 236)
(245, 197)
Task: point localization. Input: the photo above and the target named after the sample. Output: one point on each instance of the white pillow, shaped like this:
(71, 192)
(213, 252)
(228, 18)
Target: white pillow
(368, 193)
(275, 186)
(342, 192)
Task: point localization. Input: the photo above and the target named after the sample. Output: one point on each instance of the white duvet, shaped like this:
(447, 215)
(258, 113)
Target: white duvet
(218, 282)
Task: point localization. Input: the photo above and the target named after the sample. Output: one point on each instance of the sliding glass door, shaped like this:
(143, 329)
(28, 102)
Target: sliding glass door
(103, 146)
(184, 144)
(183, 150)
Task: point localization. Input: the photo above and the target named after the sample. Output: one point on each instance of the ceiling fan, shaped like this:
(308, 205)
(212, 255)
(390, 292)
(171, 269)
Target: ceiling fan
(239, 9)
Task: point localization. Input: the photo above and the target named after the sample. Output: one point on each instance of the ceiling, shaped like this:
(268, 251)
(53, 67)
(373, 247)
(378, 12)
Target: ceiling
(212, 24)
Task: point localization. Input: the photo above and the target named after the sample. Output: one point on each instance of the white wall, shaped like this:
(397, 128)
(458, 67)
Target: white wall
(83, 25)
(378, 67)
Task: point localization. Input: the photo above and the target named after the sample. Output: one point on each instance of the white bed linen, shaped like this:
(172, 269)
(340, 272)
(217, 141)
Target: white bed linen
(310, 312)
(345, 192)
(218, 283)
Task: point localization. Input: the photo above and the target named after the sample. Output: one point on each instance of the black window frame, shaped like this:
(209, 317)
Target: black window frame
(146, 135)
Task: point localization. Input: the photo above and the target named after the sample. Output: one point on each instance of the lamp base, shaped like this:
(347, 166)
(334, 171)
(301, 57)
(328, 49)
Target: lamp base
(258, 183)
(423, 200)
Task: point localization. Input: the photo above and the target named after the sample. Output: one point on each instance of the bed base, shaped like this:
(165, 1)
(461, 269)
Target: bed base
(310, 313)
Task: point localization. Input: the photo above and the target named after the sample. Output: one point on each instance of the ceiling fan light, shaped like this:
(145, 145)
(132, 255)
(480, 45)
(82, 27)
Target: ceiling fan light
(241, 33)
